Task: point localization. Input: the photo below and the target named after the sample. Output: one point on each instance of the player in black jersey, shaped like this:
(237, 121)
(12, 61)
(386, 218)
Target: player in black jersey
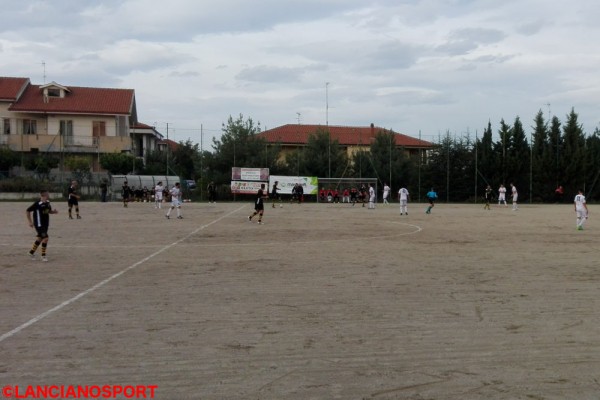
(41, 211)
(73, 200)
(259, 206)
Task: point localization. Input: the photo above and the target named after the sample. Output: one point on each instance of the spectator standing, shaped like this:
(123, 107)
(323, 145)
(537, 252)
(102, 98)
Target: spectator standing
(103, 190)
(212, 192)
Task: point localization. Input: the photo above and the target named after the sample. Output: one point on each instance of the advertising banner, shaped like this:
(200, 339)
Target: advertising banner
(246, 187)
(310, 184)
(249, 174)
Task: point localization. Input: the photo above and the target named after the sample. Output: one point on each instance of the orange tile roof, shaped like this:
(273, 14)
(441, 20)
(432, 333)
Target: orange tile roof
(345, 135)
(79, 100)
(11, 88)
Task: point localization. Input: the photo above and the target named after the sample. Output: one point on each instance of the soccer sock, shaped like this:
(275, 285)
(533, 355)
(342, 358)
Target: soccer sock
(77, 211)
(178, 212)
(34, 247)
(169, 212)
(44, 245)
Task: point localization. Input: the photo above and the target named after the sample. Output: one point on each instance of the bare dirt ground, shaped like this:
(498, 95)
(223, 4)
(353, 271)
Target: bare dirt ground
(322, 302)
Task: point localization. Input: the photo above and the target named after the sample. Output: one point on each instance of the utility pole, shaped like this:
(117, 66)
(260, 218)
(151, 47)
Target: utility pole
(327, 125)
(167, 149)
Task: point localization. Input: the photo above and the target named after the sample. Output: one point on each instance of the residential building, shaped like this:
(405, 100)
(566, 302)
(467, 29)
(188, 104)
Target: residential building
(70, 120)
(352, 138)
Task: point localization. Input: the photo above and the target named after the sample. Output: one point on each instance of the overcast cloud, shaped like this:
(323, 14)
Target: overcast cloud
(427, 66)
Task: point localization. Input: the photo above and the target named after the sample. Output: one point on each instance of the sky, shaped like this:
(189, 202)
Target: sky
(422, 68)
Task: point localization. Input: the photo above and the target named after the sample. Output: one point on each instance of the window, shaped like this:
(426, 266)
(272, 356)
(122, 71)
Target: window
(53, 92)
(6, 126)
(66, 130)
(29, 127)
(99, 128)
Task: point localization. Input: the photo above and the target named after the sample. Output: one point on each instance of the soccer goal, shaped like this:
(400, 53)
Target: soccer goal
(331, 190)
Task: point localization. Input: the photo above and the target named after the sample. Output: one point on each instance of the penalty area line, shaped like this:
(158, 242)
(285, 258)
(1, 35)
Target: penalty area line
(109, 279)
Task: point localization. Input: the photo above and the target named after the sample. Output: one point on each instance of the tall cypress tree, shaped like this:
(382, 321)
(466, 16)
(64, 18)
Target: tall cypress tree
(574, 154)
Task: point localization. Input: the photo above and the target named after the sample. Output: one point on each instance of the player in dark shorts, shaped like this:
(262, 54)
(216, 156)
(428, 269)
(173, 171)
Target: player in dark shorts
(259, 205)
(41, 211)
(274, 194)
(125, 192)
(73, 200)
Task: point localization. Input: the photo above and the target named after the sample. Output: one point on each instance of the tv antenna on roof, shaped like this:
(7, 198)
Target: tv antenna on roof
(44, 66)
(298, 117)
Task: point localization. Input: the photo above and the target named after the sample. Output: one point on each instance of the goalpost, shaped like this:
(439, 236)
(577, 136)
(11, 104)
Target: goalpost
(340, 184)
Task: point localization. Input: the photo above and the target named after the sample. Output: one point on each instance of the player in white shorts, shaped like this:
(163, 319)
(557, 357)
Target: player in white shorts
(403, 197)
(581, 209)
(175, 201)
(158, 195)
(386, 193)
(502, 195)
(515, 197)
(371, 197)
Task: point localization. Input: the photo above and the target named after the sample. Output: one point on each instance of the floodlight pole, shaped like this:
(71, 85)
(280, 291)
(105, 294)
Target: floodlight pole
(327, 125)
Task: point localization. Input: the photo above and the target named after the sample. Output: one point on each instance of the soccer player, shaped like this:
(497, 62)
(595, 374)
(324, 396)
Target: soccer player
(371, 197)
(41, 211)
(353, 195)
(158, 195)
(488, 197)
(386, 193)
(431, 196)
(580, 209)
(175, 201)
(403, 197)
(274, 194)
(73, 200)
(515, 196)
(502, 195)
(259, 206)
(125, 192)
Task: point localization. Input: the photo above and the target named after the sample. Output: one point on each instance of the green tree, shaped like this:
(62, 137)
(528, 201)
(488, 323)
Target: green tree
(117, 163)
(574, 154)
(80, 167)
(517, 160)
(8, 159)
(320, 152)
(156, 163)
(185, 160)
(237, 147)
(485, 157)
(543, 166)
(42, 164)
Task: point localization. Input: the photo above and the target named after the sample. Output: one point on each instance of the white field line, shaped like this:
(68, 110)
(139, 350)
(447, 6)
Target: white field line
(107, 280)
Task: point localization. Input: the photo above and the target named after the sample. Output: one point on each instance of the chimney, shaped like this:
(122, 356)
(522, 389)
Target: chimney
(372, 129)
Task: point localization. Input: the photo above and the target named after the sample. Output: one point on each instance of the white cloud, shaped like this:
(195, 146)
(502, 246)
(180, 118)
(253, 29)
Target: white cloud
(426, 65)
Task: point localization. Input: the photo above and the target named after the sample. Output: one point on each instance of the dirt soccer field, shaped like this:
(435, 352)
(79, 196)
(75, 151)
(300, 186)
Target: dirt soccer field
(321, 302)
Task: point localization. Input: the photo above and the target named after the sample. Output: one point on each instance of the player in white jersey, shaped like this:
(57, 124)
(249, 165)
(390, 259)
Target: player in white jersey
(403, 197)
(515, 197)
(386, 193)
(158, 195)
(175, 201)
(580, 209)
(502, 195)
(371, 197)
